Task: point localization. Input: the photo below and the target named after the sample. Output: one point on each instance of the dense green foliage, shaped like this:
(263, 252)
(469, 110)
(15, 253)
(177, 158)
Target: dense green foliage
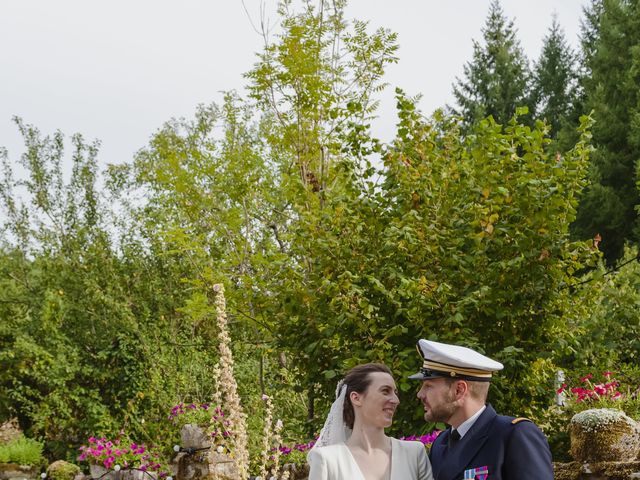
(559, 91)
(612, 91)
(334, 249)
(22, 451)
(602, 345)
(78, 341)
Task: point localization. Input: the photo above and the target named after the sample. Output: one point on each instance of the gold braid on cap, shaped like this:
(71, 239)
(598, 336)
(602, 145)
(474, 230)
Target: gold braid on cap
(454, 370)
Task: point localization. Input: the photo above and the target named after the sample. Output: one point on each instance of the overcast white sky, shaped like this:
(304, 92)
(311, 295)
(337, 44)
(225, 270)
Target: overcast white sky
(117, 70)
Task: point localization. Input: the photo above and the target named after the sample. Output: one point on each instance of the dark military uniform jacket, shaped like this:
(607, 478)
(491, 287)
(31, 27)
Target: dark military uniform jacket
(496, 447)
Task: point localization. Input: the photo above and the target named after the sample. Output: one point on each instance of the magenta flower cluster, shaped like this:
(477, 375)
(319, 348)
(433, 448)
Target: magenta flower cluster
(128, 455)
(426, 440)
(298, 447)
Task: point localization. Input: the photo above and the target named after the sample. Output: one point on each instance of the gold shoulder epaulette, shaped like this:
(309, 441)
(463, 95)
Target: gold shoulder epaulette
(519, 419)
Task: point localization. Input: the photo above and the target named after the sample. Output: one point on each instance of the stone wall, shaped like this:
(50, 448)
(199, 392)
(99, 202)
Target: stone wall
(10, 471)
(10, 430)
(597, 471)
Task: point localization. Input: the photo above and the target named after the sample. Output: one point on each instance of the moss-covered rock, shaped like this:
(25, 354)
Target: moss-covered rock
(616, 470)
(12, 471)
(567, 471)
(61, 470)
(604, 435)
(596, 471)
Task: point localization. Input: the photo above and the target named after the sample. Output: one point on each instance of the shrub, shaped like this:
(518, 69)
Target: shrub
(61, 470)
(23, 451)
(197, 414)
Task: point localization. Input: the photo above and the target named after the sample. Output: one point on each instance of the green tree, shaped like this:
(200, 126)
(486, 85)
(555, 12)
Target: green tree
(554, 80)
(589, 35)
(589, 32)
(48, 322)
(240, 193)
(317, 86)
(608, 206)
(328, 259)
(465, 240)
(495, 80)
(616, 298)
(84, 324)
(454, 238)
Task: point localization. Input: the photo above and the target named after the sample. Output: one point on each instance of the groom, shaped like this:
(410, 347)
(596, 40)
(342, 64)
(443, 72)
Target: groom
(479, 443)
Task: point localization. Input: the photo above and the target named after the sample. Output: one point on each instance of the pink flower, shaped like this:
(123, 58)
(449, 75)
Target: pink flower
(587, 377)
(600, 389)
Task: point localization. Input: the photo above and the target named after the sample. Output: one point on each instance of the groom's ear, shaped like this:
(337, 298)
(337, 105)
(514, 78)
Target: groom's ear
(461, 387)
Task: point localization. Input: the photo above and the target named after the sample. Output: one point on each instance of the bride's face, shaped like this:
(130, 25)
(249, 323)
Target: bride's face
(377, 405)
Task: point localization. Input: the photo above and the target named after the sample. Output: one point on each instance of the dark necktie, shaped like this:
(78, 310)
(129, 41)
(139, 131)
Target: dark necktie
(454, 436)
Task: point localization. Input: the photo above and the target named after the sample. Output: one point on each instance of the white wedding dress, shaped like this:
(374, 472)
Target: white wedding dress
(409, 461)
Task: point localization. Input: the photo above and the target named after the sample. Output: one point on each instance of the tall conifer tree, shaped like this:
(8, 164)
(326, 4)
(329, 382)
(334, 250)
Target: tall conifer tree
(612, 91)
(495, 79)
(554, 75)
(589, 34)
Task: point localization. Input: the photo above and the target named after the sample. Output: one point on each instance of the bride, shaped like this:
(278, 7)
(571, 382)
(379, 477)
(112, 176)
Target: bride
(353, 445)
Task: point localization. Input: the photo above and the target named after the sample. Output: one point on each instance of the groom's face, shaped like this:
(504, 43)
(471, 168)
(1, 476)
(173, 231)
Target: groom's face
(438, 398)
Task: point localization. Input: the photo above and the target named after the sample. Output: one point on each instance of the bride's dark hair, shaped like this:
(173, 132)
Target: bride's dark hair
(358, 380)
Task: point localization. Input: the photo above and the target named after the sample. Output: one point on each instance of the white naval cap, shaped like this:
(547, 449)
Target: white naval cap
(454, 361)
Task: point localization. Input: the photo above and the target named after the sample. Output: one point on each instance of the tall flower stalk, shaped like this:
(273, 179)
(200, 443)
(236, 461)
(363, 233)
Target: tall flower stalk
(216, 398)
(266, 434)
(229, 389)
(270, 437)
(277, 438)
